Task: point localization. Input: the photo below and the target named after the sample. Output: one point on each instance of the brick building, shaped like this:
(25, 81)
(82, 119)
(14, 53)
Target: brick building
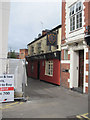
(74, 53)
(23, 53)
(44, 56)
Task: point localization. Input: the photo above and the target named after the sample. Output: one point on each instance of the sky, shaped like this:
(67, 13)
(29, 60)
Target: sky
(28, 19)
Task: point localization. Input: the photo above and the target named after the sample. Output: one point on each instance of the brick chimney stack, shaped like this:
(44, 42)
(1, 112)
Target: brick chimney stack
(45, 32)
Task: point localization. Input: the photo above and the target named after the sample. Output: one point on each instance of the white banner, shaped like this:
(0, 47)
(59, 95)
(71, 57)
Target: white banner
(6, 88)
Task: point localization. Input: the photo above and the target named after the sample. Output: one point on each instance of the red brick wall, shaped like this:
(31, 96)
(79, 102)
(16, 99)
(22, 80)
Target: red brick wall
(62, 55)
(25, 53)
(63, 21)
(86, 89)
(65, 75)
(87, 14)
(87, 69)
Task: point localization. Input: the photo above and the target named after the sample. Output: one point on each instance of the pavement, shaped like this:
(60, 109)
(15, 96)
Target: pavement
(45, 100)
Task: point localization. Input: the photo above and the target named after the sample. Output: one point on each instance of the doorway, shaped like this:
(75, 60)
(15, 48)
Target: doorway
(38, 70)
(81, 69)
(78, 70)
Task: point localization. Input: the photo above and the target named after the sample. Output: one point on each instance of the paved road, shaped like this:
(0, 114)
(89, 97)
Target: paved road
(48, 101)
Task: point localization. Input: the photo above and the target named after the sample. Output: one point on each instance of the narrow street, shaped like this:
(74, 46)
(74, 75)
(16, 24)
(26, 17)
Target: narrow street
(48, 101)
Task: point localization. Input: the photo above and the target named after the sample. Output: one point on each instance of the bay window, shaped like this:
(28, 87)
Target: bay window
(75, 16)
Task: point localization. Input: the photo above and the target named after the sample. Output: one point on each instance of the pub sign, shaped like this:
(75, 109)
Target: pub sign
(52, 39)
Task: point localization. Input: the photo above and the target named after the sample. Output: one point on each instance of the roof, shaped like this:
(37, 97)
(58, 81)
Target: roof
(59, 26)
(23, 49)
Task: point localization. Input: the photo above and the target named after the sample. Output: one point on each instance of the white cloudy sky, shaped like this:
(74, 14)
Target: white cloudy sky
(26, 20)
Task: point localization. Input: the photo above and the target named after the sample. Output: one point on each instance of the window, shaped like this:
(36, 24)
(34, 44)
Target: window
(65, 54)
(72, 10)
(49, 68)
(39, 47)
(32, 49)
(75, 16)
(49, 48)
(22, 54)
(78, 6)
(79, 20)
(72, 23)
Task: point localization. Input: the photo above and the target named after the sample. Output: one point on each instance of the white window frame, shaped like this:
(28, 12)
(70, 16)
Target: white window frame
(49, 68)
(72, 14)
(65, 54)
(79, 22)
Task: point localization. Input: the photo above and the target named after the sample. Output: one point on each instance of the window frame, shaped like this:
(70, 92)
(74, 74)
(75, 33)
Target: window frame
(65, 57)
(32, 49)
(49, 48)
(49, 68)
(73, 25)
(39, 46)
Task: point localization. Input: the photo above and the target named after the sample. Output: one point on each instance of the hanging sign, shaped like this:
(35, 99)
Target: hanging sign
(52, 39)
(6, 88)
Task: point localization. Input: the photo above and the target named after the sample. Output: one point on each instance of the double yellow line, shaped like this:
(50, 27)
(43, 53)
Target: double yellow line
(10, 105)
(83, 116)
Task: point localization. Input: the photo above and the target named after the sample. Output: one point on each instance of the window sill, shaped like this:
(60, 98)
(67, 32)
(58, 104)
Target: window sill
(76, 30)
(49, 75)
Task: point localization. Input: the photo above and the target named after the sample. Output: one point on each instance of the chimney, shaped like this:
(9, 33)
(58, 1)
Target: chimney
(45, 32)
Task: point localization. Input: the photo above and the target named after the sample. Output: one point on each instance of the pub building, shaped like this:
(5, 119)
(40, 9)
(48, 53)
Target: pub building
(44, 56)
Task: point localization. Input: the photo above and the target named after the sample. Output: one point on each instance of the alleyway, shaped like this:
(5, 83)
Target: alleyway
(48, 101)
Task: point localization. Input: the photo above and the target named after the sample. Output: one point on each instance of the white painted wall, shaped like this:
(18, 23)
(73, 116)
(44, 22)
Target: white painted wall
(44, 46)
(4, 24)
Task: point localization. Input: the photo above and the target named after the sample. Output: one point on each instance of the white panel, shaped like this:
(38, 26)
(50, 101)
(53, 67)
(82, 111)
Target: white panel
(68, 52)
(68, 80)
(65, 61)
(86, 49)
(86, 72)
(86, 61)
(4, 22)
(86, 84)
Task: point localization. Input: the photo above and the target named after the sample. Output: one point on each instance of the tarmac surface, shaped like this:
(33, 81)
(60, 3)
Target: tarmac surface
(48, 101)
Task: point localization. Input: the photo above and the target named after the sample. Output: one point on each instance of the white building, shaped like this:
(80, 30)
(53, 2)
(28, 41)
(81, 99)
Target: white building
(4, 26)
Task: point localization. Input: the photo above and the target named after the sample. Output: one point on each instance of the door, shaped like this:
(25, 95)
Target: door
(38, 69)
(81, 68)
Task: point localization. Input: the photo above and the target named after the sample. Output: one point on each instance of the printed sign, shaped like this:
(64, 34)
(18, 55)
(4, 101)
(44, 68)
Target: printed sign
(6, 88)
(52, 39)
